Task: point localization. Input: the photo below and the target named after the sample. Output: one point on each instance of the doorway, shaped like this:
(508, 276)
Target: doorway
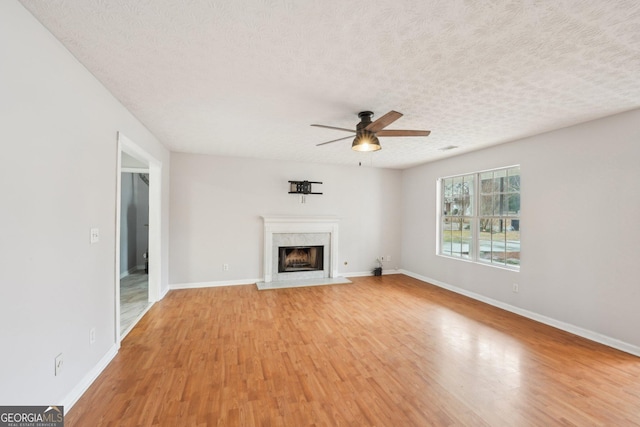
(134, 242)
(138, 240)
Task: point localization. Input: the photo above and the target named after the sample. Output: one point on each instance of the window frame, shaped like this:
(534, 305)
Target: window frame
(473, 217)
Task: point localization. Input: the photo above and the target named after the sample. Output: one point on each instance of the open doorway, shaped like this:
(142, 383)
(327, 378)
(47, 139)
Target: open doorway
(137, 235)
(134, 242)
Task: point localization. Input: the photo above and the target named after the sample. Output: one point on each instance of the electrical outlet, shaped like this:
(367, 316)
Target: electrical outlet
(387, 258)
(59, 363)
(516, 289)
(92, 336)
(225, 267)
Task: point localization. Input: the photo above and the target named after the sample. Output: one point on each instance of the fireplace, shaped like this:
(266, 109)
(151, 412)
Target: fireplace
(300, 233)
(300, 258)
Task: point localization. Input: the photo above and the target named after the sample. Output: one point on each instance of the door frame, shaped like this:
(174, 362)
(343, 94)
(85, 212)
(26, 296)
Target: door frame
(126, 145)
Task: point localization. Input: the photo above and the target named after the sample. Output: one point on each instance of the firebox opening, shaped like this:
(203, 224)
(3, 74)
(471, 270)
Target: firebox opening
(300, 258)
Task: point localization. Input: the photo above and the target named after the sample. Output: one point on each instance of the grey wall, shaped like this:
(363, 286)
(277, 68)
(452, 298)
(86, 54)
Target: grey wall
(216, 204)
(142, 219)
(128, 223)
(59, 136)
(579, 229)
(134, 220)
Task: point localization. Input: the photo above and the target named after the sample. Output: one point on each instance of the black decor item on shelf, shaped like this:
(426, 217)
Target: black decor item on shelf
(302, 187)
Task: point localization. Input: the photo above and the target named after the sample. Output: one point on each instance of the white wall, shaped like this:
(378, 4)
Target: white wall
(216, 204)
(580, 228)
(57, 180)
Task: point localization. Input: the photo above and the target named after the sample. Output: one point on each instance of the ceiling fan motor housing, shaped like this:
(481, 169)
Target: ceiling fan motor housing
(365, 120)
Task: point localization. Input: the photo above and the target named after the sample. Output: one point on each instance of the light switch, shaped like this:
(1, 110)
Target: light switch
(95, 235)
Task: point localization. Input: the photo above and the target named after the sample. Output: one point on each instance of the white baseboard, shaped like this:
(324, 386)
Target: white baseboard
(163, 293)
(568, 327)
(370, 273)
(358, 274)
(213, 284)
(88, 379)
(394, 271)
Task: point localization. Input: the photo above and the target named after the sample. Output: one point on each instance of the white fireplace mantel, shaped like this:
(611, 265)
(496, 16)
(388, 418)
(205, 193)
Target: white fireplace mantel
(299, 224)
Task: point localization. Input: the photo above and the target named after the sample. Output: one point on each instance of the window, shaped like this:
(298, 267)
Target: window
(480, 217)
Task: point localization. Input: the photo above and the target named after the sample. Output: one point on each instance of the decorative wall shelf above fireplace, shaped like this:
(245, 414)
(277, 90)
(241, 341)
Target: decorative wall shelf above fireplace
(302, 187)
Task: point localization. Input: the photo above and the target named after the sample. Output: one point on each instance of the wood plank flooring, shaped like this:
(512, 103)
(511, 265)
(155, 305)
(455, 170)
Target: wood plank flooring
(383, 351)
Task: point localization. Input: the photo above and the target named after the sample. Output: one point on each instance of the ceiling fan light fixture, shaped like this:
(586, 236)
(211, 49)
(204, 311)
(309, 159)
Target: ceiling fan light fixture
(366, 141)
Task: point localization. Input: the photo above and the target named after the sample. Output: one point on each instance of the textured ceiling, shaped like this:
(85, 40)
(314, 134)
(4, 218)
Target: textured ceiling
(247, 77)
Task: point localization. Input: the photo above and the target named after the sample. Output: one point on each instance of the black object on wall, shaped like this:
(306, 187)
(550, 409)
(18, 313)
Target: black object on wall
(302, 187)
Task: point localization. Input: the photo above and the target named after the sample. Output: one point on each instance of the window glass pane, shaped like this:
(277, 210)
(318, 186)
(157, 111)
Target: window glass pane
(457, 185)
(447, 195)
(503, 209)
(446, 236)
(498, 241)
(484, 241)
(514, 179)
(458, 195)
(499, 178)
(469, 188)
(498, 203)
(485, 225)
(513, 206)
(456, 207)
(486, 182)
(456, 237)
(466, 248)
(466, 205)
(486, 204)
(513, 242)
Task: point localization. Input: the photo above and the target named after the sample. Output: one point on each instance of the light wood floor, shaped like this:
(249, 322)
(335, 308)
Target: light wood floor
(384, 351)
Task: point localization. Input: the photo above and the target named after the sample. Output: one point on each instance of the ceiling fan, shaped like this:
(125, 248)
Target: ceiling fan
(367, 132)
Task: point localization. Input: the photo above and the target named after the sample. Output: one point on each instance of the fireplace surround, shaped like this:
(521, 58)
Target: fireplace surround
(306, 231)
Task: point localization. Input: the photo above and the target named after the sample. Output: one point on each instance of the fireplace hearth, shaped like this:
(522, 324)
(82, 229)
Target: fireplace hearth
(300, 258)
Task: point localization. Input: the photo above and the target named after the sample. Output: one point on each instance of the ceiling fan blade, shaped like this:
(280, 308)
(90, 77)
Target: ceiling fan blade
(333, 127)
(335, 140)
(383, 121)
(393, 132)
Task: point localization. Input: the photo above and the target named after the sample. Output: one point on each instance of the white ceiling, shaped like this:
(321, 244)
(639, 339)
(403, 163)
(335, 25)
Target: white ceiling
(248, 77)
